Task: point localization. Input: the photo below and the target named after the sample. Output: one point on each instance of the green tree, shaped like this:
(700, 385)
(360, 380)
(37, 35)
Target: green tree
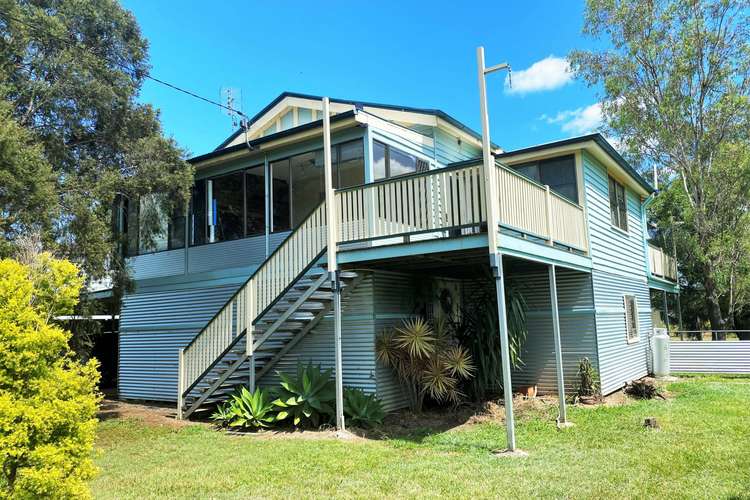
(675, 78)
(71, 72)
(27, 184)
(48, 401)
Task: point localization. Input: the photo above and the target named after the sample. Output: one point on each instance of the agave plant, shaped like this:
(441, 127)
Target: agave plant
(362, 410)
(247, 409)
(308, 398)
(222, 414)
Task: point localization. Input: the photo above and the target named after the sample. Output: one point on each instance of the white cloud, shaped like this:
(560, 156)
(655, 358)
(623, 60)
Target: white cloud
(578, 121)
(548, 74)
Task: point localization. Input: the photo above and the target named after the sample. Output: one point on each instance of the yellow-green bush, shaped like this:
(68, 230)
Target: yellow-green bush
(48, 400)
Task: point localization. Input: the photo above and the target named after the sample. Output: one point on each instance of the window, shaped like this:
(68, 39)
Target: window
(233, 206)
(198, 222)
(558, 173)
(307, 184)
(349, 164)
(618, 205)
(391, 162)
(226, 216)
(631, 318)
(151, 223)
(299, 183)
(255, 201)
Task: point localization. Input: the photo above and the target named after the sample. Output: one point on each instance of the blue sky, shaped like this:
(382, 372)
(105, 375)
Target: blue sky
(420, 54)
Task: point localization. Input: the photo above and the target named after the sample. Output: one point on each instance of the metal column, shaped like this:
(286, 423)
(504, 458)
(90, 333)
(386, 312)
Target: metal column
(496, 261)
(563, 417)
(332, 225)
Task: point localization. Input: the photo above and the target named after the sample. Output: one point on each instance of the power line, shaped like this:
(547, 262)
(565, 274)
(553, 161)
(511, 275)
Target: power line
(132, 71)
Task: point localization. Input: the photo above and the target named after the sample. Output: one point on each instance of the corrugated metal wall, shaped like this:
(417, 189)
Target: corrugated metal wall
(357, 327)
(577, 328)
(619, 268)
(215, 256)
(710, 357)
(394, 302)
(153, 327)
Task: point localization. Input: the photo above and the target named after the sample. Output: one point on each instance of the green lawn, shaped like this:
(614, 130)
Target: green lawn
(702, 450)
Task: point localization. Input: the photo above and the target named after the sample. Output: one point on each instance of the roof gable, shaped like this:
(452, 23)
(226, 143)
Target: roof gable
(291, 110)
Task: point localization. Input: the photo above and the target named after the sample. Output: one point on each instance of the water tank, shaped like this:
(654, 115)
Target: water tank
(660, 350)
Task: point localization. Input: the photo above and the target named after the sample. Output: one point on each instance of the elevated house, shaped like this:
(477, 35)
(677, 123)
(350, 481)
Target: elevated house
(235, 288)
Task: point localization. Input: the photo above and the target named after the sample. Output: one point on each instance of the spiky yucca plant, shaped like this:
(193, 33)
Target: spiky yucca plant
(426, 361)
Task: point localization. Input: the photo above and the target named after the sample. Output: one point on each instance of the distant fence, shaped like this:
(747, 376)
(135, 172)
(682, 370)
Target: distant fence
(710, 356)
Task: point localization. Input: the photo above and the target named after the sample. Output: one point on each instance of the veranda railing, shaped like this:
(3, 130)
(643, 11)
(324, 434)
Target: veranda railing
(435, 201)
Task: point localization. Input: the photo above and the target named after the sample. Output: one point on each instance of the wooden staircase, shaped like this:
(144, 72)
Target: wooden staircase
(300, 308)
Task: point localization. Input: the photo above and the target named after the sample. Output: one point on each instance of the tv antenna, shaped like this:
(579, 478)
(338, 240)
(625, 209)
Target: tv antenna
(230, 96)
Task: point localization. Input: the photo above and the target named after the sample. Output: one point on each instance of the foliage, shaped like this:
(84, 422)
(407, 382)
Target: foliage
(253, 410)
(306, 399)
(222, 414)
(642, 389)
(48, 401)
(426, 360)
(477, 329)
(588, 380)
(362, 410)
(676, 82)
(27, 196)
(71, 75)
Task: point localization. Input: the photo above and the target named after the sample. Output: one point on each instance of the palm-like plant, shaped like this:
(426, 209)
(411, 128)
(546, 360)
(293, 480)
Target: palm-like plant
(426, 361)
(416, 337)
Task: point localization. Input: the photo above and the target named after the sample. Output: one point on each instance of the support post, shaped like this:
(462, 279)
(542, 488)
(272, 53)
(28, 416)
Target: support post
(496, 260)
(250, 310)
(249, 340)
(180, 382)
(332, 224)
(510, 423)
(666, 310)
(563, 417)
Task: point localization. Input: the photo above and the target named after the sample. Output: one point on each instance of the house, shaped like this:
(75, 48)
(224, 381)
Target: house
(411, 208)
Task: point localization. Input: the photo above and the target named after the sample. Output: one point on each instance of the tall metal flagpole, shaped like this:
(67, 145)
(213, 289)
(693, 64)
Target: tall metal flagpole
(496, 259)
(333, 273)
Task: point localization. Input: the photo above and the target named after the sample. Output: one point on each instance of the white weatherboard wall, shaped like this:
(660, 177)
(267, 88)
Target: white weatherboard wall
(619, 268)
(577, 328)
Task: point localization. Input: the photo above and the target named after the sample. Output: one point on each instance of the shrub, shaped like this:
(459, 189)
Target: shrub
(425, 361)
(362, 410)
(48, 400)
(307, 399)
(642, 389)
(477, 330)
(588, 381)
(251, 410)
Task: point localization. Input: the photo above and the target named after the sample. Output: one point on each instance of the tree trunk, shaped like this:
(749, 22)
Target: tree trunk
(714, 306)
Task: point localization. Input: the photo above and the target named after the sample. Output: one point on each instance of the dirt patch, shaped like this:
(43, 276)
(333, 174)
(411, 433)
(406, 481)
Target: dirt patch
(150, 413)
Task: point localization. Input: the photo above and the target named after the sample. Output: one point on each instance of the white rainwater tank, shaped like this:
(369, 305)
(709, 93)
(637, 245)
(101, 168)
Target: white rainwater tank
(660, 351)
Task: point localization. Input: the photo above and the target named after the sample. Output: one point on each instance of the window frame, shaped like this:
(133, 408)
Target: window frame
(632, 324)
(621, 204)
(387, 160)
(539, 163)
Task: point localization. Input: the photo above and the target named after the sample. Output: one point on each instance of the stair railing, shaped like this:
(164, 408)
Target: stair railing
(291, 259)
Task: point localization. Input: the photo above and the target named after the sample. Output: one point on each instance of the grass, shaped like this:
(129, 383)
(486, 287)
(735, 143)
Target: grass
(702, 450)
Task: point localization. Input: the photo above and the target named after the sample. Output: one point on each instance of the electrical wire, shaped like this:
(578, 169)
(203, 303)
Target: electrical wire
(132, 71)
